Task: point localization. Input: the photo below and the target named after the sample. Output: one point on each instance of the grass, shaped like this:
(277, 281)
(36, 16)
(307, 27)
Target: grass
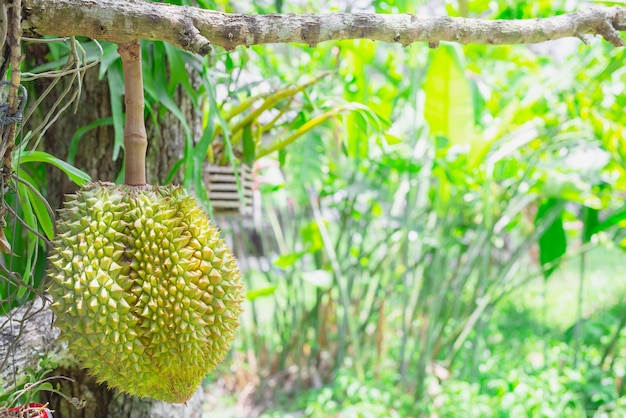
(604, 286)
(527, 368)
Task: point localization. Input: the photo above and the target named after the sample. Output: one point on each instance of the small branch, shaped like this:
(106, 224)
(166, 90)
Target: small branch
(135, 139)
(195, 29)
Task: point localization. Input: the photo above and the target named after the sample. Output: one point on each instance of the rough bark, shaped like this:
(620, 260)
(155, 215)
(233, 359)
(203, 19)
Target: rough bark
(25, 335)
(195, 29)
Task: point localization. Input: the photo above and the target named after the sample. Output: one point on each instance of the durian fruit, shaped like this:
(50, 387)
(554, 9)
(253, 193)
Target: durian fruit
(145, 292)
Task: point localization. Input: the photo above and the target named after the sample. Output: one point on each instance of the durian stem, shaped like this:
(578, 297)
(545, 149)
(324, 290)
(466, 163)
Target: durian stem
(135, 138)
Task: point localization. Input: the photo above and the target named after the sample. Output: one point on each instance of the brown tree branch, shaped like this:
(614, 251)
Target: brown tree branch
(194, 29)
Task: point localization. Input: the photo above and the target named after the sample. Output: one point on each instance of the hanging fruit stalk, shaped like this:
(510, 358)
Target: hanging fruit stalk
(135, 139)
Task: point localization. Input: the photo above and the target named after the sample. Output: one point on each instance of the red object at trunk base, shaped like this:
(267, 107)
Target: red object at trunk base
(32, 410)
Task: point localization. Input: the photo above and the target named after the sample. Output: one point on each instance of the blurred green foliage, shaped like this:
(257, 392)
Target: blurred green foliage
(389, 267)
(393, 253)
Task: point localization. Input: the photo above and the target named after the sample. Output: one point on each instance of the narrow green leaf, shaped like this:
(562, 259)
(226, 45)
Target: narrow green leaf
(109, 56)
(177, 71)
(249, 145)
(155, 84)
(590, 222)
(259, 293)
(288, 260)
(309, 124)
(614, 219)
(553, 242)
(73, 147)
(199, 155)
(29, 218)
(27, 209)
(195, 156)
(56, 50)
(76, 175)
(208, 134)
(115, 78)
(36, 199)
(45, 386)
(173, 171)
(392, 139)
(155, 87)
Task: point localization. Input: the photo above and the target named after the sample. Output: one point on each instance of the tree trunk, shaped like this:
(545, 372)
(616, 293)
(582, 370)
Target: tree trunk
(25, 336)
(94, 156)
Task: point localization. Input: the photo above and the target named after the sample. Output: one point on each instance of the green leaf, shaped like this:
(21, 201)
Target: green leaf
(27, 209)
(29, 218)
(259, 293)
(288, 260)
(392, 139)
(590, 222)
(199, 155)
(38, 203)
(195, 156)
(615, 219)
(228, 63)
(449, 101)
(553, 242)
(177, 71)
(109, 56)
(73, 147)
(115, 78)
(155, 84)
(45, 386)
(77, 176)
(156, 89)
(249, 145)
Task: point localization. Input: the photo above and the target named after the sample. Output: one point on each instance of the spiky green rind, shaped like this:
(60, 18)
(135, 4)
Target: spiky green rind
(145, 292)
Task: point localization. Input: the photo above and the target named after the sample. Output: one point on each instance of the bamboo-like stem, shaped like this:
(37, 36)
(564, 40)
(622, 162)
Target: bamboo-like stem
(135, 138)
(316, 121)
